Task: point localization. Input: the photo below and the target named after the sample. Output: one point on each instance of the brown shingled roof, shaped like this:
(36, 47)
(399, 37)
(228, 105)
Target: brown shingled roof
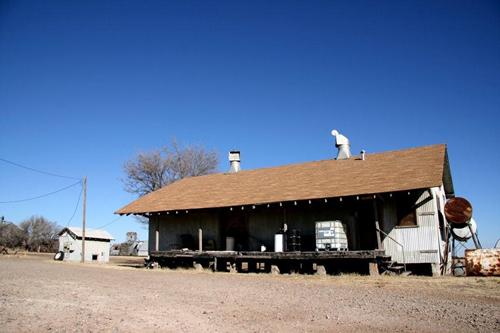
(393, 171)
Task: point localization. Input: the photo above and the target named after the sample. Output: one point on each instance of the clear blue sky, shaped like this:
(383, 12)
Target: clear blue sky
(86, 85)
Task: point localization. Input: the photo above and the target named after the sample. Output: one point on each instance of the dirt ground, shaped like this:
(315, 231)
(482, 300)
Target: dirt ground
(38, 294)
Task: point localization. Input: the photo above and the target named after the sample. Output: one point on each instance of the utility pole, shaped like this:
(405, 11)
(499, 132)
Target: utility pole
(84, 184)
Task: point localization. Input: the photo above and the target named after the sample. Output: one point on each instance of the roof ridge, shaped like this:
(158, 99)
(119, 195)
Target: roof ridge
(354, 157)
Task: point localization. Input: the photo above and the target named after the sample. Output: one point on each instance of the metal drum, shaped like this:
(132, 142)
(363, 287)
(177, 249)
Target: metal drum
(458, 212)
(294, 242)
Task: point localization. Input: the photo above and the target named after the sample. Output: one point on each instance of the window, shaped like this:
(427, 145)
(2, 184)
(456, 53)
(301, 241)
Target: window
(406, 209)
(408, 220)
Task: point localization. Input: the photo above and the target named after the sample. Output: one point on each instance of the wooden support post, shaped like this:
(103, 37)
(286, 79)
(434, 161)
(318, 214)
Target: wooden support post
(84, 212)
(373, 269)
(377, 225)
(216, 268)
(157, 235)
(200, 240)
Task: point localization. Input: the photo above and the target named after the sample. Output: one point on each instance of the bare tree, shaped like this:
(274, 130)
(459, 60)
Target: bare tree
(148, 172)
(39, 232)
(10, 235)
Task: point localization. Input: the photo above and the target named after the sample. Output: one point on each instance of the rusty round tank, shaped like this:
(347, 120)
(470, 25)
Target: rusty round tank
(458, 211)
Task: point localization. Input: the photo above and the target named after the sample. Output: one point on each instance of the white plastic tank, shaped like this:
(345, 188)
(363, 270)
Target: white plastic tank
(331, 235)
(278, 242)
(463, 234)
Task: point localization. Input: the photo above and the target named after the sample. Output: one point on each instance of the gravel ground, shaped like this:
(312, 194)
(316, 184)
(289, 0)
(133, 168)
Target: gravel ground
(38, 294)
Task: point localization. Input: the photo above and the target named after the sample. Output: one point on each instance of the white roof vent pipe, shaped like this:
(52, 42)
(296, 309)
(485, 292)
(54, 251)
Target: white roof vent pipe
(363, 155)
(234, 161)
(342, 144)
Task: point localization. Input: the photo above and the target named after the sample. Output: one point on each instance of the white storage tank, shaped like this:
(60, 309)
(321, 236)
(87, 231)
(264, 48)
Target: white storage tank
(279, 241)
(331, 235)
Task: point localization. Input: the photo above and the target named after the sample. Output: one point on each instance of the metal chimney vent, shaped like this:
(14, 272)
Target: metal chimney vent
(342, 144)
(234, 161)
(363, 155)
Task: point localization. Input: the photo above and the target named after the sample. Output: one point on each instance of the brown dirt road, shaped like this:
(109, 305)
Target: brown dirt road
(41, 295)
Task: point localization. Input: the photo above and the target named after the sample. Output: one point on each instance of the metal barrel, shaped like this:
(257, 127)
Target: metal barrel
(458, 212)
(294, 241)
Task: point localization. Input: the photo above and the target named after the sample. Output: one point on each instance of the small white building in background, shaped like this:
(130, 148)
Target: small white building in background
(141, 249)
(97, 244)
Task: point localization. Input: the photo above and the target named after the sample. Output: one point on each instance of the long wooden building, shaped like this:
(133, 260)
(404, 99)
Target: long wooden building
(390, 203)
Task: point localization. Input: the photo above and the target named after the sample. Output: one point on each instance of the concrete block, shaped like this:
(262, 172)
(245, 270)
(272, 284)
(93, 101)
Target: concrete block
(373, 269)
(320, 270)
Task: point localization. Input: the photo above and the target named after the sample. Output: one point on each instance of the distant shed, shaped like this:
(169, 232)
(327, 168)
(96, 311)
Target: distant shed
(97, 244)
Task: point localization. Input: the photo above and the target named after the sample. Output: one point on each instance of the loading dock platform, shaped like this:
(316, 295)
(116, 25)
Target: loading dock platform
(332, 262)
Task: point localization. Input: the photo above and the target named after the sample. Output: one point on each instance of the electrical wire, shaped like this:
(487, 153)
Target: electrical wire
(36, 170)
(43, 195)
(76, 207)
(105, 225)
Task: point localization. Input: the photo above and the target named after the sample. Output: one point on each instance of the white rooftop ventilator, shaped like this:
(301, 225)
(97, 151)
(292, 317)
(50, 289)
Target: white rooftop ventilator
(234, 161)
(342, 144)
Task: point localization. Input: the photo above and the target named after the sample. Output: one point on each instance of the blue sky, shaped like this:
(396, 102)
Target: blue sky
(84, 86)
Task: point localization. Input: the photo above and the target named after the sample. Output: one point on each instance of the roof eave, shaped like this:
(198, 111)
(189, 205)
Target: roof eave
(447, 178)
(277, 202)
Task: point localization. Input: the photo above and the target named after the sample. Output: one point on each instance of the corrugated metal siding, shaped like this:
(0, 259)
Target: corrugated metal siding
(441, 194)
(421, 244)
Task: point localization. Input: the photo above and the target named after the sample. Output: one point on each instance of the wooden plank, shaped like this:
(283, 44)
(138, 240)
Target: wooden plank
(255, 255)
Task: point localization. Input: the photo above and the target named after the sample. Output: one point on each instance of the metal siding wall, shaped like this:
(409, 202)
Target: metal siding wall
(174, 225)
(95, 247)
(91, 247)
(76, 246)
(63, 239)
(415, 240)
(440, 192)
(263, 224)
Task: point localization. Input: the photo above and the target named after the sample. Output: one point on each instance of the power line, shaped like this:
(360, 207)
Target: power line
(105, 225)
(36, 170)
(76, 207)
(43, 195)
